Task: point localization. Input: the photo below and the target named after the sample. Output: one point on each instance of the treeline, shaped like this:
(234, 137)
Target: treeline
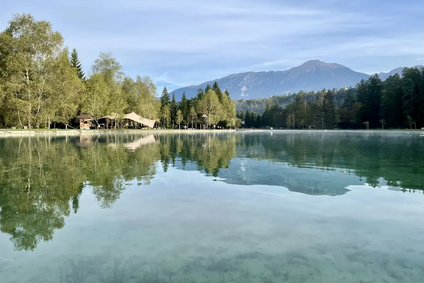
(209, 108)
(42, 83)
(398, 102)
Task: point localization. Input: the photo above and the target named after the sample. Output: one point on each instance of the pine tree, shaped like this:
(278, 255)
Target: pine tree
(200, 93)
(75, 63)
(375, 88)
(184, 107)
(217, 90)
(173, 109)
(165, 107)
(165, 99)
(329, 110)
(391, 102)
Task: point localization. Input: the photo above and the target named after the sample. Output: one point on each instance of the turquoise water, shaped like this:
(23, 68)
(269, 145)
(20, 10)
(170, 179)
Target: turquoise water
(265, 206)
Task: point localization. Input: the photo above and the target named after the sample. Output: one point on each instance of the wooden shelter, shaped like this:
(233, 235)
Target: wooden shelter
(84, 121)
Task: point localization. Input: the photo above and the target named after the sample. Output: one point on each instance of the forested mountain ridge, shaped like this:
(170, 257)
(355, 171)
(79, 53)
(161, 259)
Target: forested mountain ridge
(397, 102)
(383, 76)
(313, 75)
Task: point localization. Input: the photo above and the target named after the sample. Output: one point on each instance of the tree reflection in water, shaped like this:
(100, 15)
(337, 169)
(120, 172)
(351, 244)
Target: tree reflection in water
(42, 178)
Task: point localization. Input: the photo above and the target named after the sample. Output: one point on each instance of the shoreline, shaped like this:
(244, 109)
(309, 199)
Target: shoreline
(76, 132)
(63, 132)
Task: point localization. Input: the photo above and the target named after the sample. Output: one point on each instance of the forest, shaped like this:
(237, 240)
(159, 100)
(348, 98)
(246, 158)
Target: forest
(397, 102)
(43, 85)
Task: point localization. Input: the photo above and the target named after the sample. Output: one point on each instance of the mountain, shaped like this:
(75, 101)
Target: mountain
(312, 75)
(384, 76)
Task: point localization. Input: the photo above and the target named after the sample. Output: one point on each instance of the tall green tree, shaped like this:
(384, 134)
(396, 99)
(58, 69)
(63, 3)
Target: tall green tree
(166, 115)
(173, 109)
(141, 97)
(217, 90)
(184, 106)
(67, 92)
(391, 102)
(329, 112)
(192, 115)
(412, 98)
(228, 112)
(375, 89)
(111, 72)
(76, 64)
(179, 118)
(200, 93)
(96, 103)
(29, 51)
(165, 99)
(165, 102)
(347, 112)
(212, 107)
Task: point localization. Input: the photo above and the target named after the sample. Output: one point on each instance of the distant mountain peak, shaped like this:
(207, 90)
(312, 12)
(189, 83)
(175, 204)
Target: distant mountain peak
(314, 62)
(320, 64)
(313, 75)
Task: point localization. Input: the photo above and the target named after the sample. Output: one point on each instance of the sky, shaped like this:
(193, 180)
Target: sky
(187, 42)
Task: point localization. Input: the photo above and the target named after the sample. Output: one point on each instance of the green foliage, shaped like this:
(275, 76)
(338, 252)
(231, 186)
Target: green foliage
(165, 108)
(96, 103)
(41, 83)
(179, 118)
(211, 108)
(184, 106)
(76, 64)
(192, 115)
(141, 97)
(173, 109)
(399, 101)
(31, 50)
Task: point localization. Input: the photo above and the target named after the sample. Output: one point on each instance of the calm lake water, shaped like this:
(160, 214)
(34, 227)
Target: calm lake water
(271, 206)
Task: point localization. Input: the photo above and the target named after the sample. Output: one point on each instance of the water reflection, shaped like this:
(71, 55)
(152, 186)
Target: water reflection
(42, 178)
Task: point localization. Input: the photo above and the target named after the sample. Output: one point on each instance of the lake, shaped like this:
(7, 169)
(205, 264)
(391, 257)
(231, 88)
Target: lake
(262, 206)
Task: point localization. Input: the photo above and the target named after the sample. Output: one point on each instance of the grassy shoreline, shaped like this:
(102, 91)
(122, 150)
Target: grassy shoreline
(56, 132)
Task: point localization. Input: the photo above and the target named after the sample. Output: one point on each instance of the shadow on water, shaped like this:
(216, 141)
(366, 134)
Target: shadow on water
(42, 178)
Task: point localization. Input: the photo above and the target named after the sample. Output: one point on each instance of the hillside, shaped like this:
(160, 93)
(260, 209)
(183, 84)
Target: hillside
(383, 76)
(312, 75)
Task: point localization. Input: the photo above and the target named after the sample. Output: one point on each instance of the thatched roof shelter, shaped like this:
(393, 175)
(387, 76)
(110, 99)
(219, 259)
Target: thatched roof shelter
(134, 117)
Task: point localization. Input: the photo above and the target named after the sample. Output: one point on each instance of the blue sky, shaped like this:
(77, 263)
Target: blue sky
(185, 42)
